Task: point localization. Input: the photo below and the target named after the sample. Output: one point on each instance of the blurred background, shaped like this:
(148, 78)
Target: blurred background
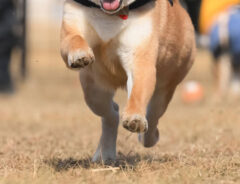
(30, 29)
(44, 119)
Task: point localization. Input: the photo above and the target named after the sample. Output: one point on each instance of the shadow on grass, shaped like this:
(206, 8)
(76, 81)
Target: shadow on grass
(124, 162)
(64, 164)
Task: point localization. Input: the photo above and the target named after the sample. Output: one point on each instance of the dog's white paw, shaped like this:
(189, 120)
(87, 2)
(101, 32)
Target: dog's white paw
(80, 59)
(135, 123)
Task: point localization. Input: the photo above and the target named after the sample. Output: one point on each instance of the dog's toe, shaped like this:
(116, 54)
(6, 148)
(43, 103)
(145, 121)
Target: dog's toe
(135, 123)
(80, 59)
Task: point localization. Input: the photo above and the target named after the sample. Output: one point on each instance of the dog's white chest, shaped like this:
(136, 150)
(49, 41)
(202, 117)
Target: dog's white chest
(106, 26)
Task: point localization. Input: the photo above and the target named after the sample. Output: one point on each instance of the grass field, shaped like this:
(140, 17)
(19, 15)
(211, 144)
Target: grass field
(48, 135)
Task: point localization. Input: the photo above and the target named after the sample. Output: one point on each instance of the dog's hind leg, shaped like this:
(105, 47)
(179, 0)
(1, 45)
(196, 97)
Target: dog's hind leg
(156, 108)
(101, 103)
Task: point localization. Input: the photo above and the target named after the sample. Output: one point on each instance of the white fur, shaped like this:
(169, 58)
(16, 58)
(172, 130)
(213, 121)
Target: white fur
(107, 26)
(138, 30)
(129, 83)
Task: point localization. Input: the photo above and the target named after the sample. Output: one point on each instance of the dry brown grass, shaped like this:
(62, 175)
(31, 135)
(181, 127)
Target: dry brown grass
(47, 135)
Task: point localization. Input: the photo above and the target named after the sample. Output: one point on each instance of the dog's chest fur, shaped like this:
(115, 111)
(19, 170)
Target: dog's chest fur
(107, 27)
(119, 40)
(92, 22)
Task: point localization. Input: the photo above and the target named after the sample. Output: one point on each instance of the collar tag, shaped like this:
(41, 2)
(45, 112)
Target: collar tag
(123, 14)
(124, 17)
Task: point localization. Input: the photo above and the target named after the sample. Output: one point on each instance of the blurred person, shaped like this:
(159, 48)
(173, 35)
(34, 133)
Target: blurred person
(218, 23)
(203, 14)
(7, 41)
(210, 10)
(225, 48)
(12, 33)
(208, 14)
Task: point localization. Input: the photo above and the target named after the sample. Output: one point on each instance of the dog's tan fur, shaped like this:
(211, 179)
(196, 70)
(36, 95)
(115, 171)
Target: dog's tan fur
(150, 53)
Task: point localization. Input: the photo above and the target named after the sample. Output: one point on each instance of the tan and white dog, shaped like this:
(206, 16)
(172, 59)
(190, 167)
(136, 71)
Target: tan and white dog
(147, 46)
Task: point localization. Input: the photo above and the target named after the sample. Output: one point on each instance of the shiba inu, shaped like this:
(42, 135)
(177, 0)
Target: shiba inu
(145, 46)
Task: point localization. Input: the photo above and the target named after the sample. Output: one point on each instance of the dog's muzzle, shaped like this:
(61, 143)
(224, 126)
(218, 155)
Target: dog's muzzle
(111, 6)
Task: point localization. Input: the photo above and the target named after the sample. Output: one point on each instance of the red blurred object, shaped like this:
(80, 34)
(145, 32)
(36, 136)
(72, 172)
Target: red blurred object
(124, 17)
(192, 92)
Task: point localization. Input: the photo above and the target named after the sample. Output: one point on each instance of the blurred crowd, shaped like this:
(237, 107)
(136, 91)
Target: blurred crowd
(218, 21)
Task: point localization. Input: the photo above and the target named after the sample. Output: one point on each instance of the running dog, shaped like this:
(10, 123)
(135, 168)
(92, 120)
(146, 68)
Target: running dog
(147, 46)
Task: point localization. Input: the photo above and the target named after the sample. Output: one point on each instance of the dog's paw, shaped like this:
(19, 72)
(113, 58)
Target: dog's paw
(149, 139)
(79, 59)
(135, 123)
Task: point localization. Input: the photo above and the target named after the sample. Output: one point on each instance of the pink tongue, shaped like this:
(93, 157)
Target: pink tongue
(111, 6)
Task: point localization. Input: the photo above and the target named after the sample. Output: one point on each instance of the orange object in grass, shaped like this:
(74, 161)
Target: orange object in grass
(192, 92)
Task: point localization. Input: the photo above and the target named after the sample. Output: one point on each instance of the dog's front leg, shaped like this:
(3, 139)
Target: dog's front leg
(74, 49)
(141, 84)
(101, 103)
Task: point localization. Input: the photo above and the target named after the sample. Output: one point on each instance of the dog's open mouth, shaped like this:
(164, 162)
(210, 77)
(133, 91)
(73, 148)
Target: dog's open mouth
(111, 6)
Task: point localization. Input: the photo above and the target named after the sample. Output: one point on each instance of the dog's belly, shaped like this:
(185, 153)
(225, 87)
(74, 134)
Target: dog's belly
(108, 70)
